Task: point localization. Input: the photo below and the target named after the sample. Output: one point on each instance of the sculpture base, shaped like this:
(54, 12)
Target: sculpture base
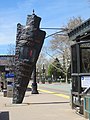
(34, 88)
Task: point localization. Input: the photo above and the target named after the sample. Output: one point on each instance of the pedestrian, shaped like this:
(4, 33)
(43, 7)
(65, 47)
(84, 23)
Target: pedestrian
(2, 80)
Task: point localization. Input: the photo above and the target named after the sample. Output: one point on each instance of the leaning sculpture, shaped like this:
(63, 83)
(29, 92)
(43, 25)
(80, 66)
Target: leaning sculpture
(29, 41)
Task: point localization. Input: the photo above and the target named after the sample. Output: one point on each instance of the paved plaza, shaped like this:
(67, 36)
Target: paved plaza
(42, 106)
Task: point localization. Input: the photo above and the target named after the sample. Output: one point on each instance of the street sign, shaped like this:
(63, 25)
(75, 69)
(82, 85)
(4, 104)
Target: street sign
(85, 81)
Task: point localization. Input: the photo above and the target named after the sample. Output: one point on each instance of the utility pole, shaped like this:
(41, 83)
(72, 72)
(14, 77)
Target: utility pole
(34, 84)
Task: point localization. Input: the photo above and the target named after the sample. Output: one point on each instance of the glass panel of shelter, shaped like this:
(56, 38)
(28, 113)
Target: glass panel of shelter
(74, 59)
(85, 57)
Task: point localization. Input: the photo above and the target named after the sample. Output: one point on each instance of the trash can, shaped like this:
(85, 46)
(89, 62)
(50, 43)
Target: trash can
(10, 80)
(10, 90)
(5, 93)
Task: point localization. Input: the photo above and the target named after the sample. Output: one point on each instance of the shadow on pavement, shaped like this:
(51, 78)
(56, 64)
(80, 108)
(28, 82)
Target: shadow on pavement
(26, 104)
(46, 103)
(29, 89)
(4, 115)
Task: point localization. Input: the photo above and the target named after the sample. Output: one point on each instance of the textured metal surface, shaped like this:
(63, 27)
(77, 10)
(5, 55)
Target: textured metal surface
(80, 32)
(29, 41)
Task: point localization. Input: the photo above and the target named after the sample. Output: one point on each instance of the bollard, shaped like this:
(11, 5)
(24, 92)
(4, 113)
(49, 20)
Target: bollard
(5, 93)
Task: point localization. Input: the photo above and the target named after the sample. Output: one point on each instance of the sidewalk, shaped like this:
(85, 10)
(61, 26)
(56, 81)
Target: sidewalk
(42, 106)
(57, 86)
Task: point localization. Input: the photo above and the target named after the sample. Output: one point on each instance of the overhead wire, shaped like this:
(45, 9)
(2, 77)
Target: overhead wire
(62, 30)
(53, 64)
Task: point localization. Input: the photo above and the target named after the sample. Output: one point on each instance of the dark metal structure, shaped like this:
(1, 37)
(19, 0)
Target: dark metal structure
(29, 41)
(81, 32)
(80, 62)
(34, 84)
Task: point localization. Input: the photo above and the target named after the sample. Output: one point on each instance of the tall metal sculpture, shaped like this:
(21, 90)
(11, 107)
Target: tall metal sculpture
(29, 41)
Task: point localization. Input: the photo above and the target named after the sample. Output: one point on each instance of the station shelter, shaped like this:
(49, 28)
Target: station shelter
(6, 66)
(80, 63)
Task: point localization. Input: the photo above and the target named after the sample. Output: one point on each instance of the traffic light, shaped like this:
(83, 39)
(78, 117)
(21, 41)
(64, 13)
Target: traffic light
(29, 41)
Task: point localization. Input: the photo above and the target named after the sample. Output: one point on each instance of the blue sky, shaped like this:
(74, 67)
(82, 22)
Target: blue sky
(54, 13)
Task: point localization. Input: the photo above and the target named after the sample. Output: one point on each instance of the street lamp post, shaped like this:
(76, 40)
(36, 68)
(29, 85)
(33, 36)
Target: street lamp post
(37, 75)
(43, 74)
(34, 84)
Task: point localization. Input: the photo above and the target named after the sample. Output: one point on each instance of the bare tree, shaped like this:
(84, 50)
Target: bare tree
(11, 49)
(60, 44)
(61, 41)
(42, 60)
(11, 53)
